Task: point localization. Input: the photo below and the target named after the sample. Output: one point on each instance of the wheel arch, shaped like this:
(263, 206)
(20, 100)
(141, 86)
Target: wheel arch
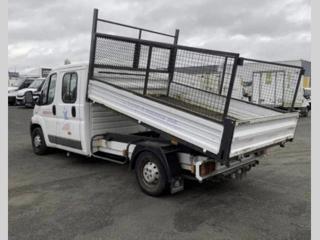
(139, 149)
(170, 163)
(33, 126)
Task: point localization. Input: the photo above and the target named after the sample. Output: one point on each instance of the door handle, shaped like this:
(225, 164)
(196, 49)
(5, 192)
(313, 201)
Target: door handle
(73, 111)
(54, 109)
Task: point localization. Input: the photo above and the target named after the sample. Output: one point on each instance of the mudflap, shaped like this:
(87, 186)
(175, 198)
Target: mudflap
(176, 181)
(176, 184)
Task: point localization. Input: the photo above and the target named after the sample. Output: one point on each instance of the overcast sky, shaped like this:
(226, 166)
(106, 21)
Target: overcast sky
(44, 33)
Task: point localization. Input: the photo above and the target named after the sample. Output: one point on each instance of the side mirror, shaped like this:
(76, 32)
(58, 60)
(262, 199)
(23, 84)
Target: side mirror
(28, 98)
(37, 101)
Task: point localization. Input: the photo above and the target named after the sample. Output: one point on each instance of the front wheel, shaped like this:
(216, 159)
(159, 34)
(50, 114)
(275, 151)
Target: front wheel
(151, 174)
(38, 142)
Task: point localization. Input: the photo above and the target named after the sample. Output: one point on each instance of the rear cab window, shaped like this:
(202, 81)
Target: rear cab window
(69, 87)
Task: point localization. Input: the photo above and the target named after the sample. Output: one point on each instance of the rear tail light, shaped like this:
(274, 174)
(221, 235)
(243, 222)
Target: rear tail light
(207, 168)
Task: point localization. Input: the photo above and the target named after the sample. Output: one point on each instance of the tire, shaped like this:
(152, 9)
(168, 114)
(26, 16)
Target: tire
(38, 142)
(11, 102)
(151, 174)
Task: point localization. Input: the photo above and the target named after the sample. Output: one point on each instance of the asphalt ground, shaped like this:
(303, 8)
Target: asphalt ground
(60, 197)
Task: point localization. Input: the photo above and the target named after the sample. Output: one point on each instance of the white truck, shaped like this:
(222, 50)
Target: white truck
(140, 102)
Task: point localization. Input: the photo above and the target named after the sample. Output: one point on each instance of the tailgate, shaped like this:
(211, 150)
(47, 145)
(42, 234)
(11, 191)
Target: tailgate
(263, 132)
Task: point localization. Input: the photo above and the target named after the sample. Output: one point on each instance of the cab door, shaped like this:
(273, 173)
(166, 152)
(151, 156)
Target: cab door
(47, 110)
(68, 112)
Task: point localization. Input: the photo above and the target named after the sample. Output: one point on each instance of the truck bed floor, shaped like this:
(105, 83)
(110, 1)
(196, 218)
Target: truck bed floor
(188, 107)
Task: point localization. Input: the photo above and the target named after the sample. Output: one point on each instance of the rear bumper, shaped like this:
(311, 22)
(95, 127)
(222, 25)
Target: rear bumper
(243, 166)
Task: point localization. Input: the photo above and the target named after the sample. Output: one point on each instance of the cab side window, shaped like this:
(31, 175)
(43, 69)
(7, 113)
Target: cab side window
(52, 88)
(48, 90)
(69, 87)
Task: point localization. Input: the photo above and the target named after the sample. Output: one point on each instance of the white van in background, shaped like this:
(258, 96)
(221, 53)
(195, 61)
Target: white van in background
(34, 88)
(18, 85)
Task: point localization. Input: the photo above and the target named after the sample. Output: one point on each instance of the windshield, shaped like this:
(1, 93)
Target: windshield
(25, 83)
(36, 83)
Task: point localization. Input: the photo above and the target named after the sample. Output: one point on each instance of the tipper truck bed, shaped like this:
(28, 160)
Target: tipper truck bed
(168, 110)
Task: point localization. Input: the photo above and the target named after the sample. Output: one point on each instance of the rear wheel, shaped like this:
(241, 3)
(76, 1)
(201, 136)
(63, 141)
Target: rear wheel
(38, 142)
(151, 174)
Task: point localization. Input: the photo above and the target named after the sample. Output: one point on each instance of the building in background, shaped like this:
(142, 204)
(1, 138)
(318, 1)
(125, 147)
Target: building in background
(38, 72)
(307, 68)
(13, 77)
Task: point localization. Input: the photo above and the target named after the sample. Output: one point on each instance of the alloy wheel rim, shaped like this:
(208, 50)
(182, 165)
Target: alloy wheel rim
(151, 173)
(37, 141)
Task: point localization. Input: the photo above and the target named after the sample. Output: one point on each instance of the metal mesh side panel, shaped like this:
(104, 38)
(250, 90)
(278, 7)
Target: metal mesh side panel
(114, 52)
(265, 83)
(195, 81)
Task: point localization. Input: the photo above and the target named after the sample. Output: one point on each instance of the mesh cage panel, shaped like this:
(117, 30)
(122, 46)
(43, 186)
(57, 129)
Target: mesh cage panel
(114, 52)
(197, 81)
(268, 84)
(188, 79)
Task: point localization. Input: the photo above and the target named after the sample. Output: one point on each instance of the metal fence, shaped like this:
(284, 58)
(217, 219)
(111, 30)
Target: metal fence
(196, 80)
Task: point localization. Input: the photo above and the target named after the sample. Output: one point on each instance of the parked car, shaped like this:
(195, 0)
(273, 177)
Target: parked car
(307, 96)
(34, 89)
(13, 90)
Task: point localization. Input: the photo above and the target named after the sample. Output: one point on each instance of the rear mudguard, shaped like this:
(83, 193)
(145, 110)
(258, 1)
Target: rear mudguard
(168, 157)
